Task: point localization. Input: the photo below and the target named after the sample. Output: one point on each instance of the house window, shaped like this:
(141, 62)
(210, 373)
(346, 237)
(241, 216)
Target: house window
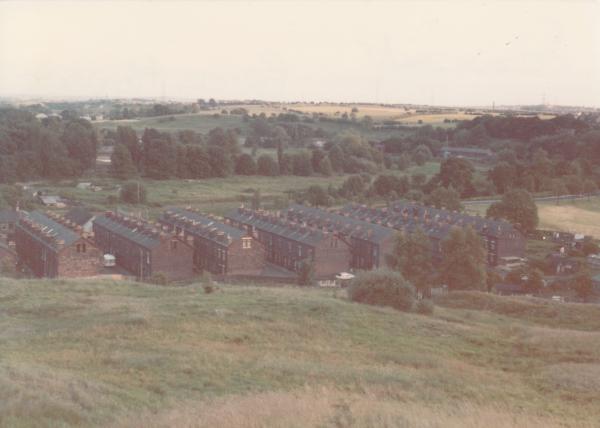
(81, 248)
(246, 243)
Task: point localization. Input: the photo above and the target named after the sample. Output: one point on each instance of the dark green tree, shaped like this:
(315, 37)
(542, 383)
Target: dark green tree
(267, 166)
(463, 260)
(121, 165)
(518, 207)
(133, 192)
(245, 165)
(412, 256)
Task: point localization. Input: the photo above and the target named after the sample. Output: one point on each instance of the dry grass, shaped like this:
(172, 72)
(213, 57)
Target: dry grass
(579, 216)
(98, 353)
(583, 217)
(325, 407)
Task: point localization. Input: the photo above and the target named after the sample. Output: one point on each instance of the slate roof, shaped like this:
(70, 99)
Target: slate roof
(8, 216)
(79, 215)
(356, 228)
(50, 226)
(401, 213)
(135, 231)
(278, 226)
(201, 225)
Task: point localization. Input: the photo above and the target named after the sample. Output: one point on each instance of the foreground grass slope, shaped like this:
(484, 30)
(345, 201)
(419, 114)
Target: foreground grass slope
(125, 354)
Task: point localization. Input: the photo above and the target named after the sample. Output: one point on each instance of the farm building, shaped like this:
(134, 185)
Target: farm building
(51, 246)
(8, 222)
(143, 248)
(219, 248)
(81, 217)
(369, 243)
(289, 244)
(467, 153)
(501, 238)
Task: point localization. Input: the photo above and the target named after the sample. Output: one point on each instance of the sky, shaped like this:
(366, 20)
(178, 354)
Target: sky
(458, 52)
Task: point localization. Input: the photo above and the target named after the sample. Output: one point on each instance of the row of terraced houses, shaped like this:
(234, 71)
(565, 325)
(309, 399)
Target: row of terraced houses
(245, 243)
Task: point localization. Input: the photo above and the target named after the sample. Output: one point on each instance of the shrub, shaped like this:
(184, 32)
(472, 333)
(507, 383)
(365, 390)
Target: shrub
(306, 273)
(158, 278)
(133, 193)
(208, 284)
(382, 288)
(425, 307)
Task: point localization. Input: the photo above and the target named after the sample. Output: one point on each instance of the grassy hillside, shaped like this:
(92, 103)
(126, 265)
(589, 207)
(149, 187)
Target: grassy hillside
(125, 354)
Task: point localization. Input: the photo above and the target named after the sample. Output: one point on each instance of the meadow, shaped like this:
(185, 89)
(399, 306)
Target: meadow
(100, 352)
(215, 195)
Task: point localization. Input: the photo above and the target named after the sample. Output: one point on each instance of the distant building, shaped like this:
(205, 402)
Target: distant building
(50, 246)
(51, 201)
(80, 217)
(505, 289)
(144, 248)
(219, 248)
(469, 153)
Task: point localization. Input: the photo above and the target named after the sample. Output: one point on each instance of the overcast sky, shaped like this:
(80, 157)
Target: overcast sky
(436, 52)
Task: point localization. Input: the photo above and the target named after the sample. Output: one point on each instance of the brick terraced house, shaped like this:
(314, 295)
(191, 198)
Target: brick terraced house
(288, 244)
(219, 248)
(500, 237)
(52, 246)
(369, 243)
(144, 248)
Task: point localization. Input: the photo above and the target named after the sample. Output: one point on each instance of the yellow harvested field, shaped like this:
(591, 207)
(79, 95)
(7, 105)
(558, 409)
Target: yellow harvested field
(571, 218)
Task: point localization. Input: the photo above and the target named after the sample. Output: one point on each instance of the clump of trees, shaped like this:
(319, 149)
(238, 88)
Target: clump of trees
(463, 260)
(382, 288)
(518, 207)
(52, 148)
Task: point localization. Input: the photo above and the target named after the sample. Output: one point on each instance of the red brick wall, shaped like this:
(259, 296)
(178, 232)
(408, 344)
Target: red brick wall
(74, 264)
(245, 261)
(331, 259)
(176, 263)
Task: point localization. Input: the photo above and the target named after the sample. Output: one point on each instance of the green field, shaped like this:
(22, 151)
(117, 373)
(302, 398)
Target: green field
(215, 195)
(103, 353)
(204, 122)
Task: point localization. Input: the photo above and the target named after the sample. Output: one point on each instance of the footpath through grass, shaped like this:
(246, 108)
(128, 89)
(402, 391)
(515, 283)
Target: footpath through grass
(91, 353)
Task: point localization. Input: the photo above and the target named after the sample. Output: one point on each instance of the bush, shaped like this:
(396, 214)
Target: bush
(158, 278)
(425, 307)
(382, 288)
(133, 193)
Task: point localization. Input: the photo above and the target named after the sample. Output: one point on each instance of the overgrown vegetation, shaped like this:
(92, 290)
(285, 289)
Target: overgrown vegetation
(113, 353)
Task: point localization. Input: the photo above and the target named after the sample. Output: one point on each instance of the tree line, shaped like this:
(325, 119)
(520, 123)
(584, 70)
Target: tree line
(52, 148)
